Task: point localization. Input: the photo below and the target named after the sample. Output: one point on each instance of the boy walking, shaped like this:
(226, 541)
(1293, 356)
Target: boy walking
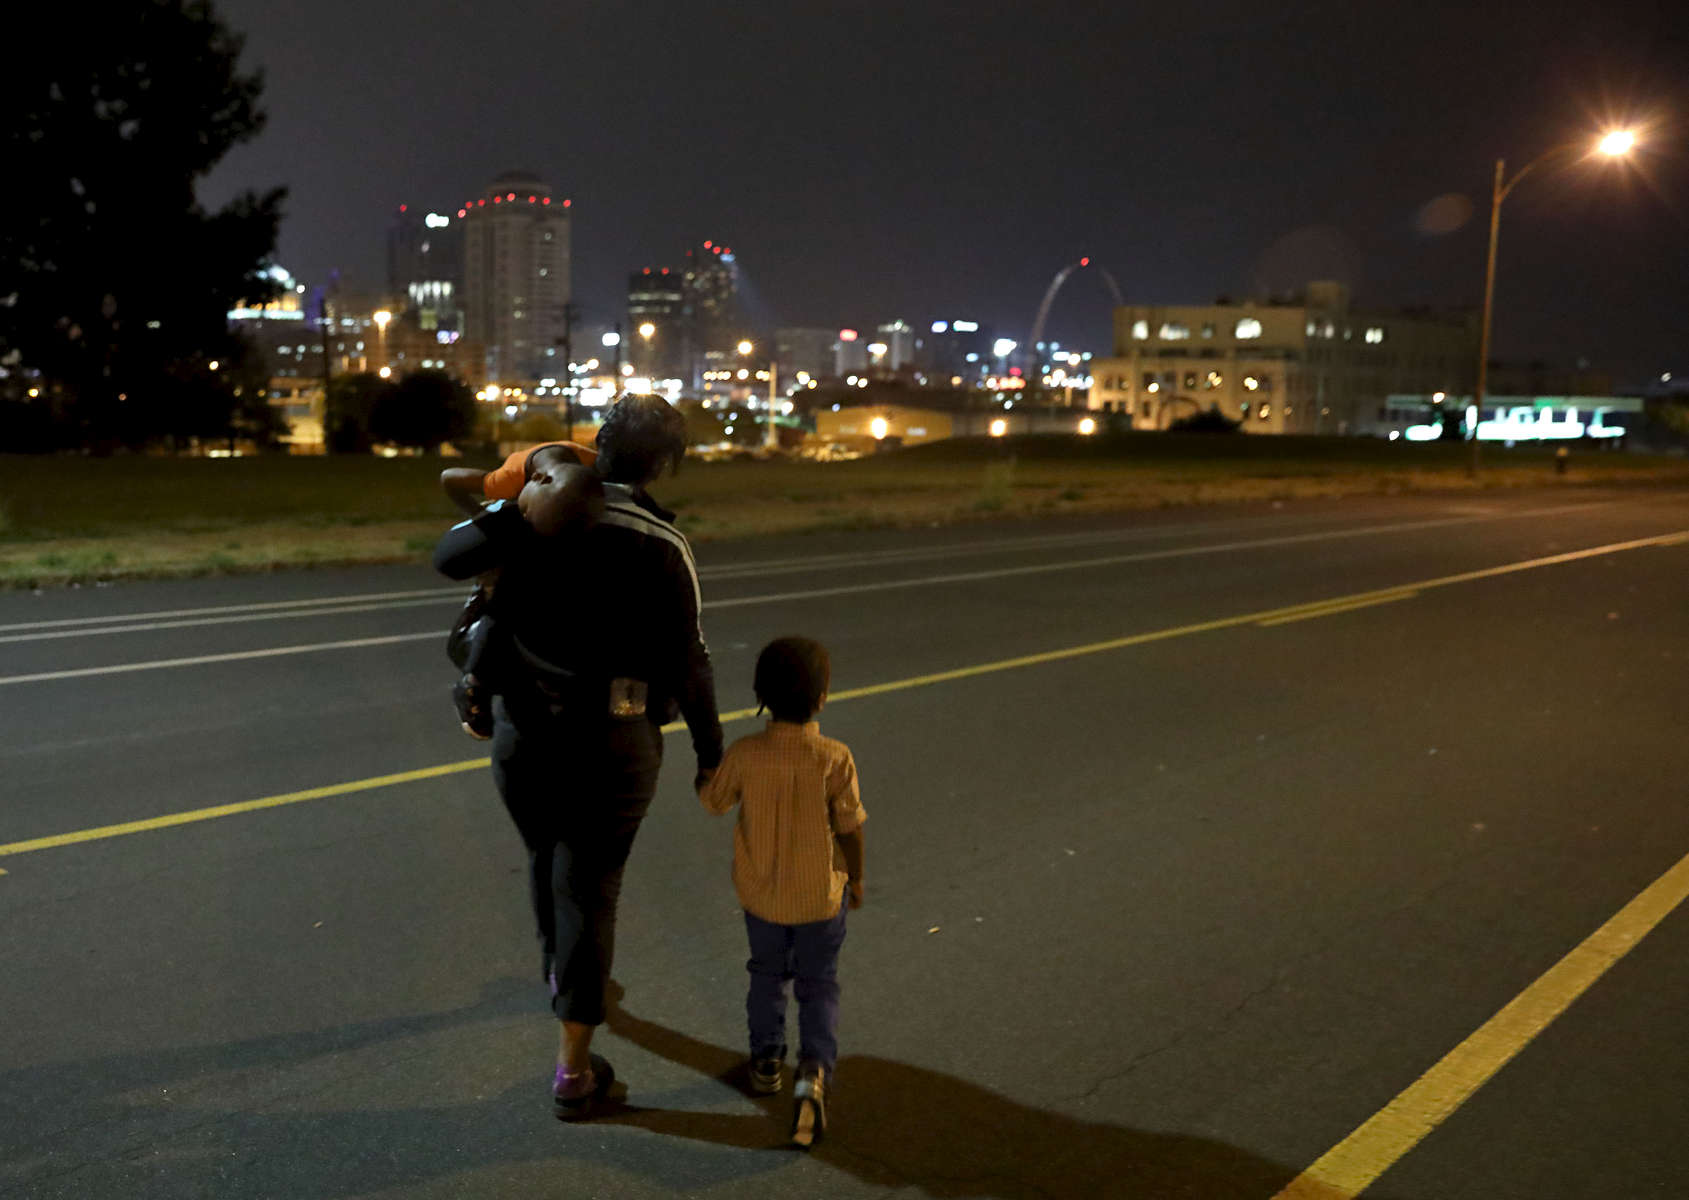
(797, 866)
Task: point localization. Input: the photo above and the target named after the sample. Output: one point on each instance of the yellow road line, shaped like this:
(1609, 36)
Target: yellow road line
(242, 806)
(1295, 611)
(1326, 610)
(1359, 1159)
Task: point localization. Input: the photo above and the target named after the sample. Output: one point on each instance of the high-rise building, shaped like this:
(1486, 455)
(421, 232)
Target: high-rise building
(959, 351)
(657, 302)
(898, 337)
(850, 354)
(711, 278)
(425, 267)
(807, 350)
(516, 276)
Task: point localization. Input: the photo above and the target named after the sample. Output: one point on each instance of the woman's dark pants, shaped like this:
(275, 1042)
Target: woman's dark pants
(577, 783)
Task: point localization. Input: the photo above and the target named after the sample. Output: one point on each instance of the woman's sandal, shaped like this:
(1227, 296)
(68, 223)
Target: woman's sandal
(573, 1095)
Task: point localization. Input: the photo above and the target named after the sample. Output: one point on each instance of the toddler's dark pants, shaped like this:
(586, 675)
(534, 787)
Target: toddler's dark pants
(808, 955)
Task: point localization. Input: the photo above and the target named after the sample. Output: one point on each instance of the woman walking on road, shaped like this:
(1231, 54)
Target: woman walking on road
(599, 645)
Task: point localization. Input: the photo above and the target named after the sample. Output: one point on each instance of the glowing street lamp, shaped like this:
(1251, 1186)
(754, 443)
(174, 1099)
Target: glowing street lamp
(381, 316)
(771, 433)
(1616, 143)
(878, 428)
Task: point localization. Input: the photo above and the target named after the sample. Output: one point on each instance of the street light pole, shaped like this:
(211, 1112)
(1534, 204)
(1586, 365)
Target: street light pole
(1497, 193)
(1615, 144)
(772, 439)
(570, 312)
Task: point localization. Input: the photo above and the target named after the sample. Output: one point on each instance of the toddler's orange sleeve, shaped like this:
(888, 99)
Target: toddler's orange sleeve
(505, 481)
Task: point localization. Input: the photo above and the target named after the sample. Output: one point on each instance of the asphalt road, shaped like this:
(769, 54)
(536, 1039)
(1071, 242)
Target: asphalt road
(1169, 915)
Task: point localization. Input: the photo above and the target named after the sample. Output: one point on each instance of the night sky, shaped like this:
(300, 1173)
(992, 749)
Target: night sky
(941, 160)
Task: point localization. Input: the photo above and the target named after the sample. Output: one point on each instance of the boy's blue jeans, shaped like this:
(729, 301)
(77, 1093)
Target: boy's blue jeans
(808, 955)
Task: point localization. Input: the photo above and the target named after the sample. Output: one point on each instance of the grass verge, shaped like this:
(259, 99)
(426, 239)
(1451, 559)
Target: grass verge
(73, 519)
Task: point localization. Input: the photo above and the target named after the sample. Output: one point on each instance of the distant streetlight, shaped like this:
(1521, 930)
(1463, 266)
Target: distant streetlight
(648, 330)
(878, 428)
(381, 316)
(771, 434)
(613, 341)
(1616, 143)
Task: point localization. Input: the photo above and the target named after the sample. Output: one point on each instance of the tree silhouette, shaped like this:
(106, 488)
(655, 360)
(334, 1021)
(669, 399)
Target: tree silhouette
(349, 411)
(422, 410)
(115, 281)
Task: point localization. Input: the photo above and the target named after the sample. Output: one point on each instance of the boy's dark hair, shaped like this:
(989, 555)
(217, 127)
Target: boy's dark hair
(541, 455)
(793, 673)
(640, 436)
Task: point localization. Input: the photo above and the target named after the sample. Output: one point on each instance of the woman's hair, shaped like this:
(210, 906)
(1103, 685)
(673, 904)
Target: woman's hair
(640, 437)
(792, 676)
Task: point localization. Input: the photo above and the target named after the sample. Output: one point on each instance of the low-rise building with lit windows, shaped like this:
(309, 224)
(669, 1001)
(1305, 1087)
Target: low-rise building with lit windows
(1309, 365)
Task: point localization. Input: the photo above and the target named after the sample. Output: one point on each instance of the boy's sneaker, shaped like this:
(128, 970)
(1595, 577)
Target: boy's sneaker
(766, 1075)
(809, 1108)
(573, 1094)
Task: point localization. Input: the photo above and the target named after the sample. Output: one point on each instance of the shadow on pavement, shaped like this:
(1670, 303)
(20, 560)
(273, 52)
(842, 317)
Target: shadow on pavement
(270, 1116)
(895, 1125)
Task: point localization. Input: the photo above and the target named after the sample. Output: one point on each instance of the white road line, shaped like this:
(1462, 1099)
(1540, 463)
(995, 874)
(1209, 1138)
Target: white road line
(238, 618)
(202, 659)
(1677, 538)
(181, 618)
(363, 598)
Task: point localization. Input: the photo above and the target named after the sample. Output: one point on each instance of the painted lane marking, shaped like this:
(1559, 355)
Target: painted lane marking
(1326, 610)
(217, 610)
(194, 815)
(876, 689)
(374, 601)
(1356, 1162)
(196, 622)
(1668, 539)
(159, 664)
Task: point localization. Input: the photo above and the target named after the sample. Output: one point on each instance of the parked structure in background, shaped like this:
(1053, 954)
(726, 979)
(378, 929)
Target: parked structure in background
(711, 279)
(956, 353)
(1511, 419)
(850, 355)
(425, 268)
(516, 275)
(807, 350)
(659, 340)
(1310, 365)
(898, 338)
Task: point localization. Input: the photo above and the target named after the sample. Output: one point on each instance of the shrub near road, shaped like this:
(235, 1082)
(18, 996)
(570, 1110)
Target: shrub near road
(73, 518)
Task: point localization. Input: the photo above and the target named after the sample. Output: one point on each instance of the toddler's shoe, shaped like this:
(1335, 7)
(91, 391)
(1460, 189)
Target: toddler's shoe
(809, 1108)
(766, 1074)
(474, 708)
(574, 1093)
